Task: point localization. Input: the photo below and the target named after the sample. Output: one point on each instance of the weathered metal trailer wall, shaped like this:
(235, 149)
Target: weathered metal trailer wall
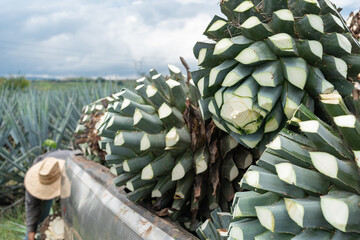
(94, 209)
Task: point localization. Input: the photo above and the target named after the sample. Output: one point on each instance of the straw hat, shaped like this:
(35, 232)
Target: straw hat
(43, 179)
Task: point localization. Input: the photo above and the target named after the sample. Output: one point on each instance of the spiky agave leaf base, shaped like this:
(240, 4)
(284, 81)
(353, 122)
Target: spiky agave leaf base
(267, 58)
(216, 226)
(306, 185)
(86, 134)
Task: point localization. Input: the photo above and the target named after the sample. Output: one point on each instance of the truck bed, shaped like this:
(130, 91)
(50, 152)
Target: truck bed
(94, 209)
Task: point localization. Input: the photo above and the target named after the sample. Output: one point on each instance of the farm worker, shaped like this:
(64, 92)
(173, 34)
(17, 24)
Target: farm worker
(42, 183)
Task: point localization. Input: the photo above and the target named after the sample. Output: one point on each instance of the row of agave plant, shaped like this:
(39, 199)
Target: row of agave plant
(188, 141)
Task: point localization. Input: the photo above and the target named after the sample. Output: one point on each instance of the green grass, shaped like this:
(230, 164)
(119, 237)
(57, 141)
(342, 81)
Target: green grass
(46, 85)
(43, 85)
(12, 224)
(14, 82)
(21, 83)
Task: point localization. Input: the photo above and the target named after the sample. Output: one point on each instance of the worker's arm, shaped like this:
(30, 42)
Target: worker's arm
(31, 236)
(33, 212)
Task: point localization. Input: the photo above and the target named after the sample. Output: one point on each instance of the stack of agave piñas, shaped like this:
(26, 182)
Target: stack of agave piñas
(159, 146)
(267, 58)
(306, 185)
(86, 134)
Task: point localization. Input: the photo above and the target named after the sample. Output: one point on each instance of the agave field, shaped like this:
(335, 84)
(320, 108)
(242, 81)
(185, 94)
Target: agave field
(34, 121)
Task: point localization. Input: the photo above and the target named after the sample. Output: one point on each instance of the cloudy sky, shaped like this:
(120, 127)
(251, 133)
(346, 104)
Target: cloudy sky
(108, 37)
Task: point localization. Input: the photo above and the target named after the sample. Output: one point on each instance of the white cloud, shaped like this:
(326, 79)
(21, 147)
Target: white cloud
(137, 2)
(192, 1)
(355, 4)
(88, 37)
(109, 37)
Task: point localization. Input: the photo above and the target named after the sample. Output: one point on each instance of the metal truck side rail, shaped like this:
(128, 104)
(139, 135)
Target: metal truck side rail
(94, 209)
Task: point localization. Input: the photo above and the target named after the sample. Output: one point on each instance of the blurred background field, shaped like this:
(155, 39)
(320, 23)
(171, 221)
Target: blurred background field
(40, 116)
(12, 223)
(37, 116)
